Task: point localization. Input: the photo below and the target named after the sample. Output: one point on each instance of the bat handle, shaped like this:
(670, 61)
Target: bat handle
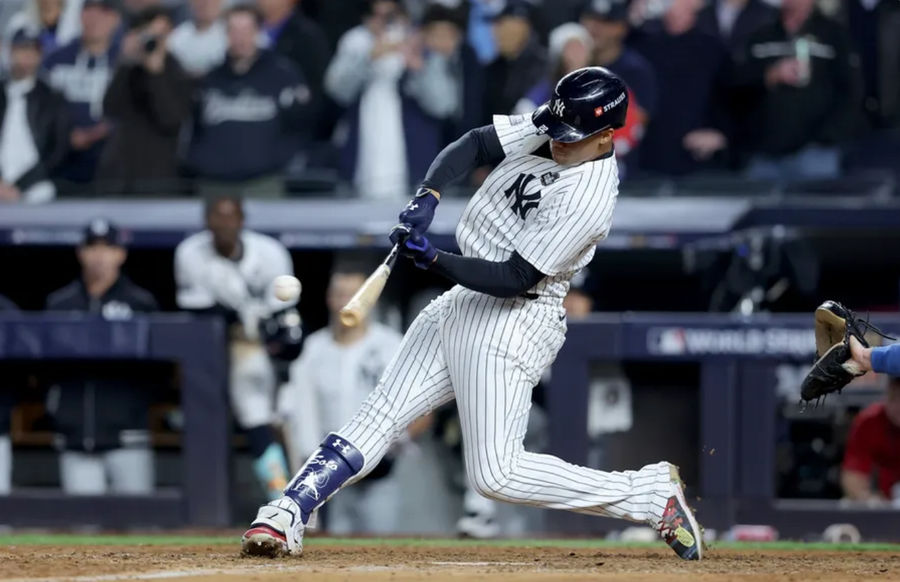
(391, 259)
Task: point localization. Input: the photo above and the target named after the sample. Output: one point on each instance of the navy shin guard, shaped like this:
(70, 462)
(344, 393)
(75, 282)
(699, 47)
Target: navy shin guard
(332, 465)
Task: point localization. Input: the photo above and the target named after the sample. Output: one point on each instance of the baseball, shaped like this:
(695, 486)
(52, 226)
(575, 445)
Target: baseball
(287, 287)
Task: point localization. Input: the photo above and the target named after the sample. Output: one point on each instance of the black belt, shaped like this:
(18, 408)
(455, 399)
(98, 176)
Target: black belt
(529, 296)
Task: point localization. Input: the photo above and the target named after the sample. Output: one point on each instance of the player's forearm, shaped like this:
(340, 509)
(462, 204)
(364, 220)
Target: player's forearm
(477, 147)
(856, 486)
(886, 360)
(501, 279)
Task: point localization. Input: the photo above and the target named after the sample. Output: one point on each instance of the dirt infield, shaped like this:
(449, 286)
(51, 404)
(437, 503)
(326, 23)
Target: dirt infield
(379, 563)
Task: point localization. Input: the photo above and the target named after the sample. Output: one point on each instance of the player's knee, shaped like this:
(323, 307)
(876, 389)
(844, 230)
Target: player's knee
(491, 484)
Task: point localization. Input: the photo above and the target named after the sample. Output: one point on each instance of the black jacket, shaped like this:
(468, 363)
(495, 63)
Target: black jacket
(49, 123)
(7, 397)
(106, 409)
(691, 73)
(248, 125)
(754, 15)
(147, 111)
(302, 42)
(876, 35)
(784, 119)
(507, 81)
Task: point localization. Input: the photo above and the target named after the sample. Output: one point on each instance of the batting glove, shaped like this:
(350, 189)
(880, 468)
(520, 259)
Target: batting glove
(419, 212)
(414, 245)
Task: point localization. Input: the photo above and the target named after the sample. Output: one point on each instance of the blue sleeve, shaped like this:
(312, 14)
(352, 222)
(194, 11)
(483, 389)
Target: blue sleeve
(886, 360)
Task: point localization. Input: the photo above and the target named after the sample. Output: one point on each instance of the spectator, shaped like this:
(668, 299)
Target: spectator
(691, 69)
(337, 370)
(806, 94)
(56, 21)
(571, 48)
(132, 9)
(200, 42)
(34, 131)
(733, 21)
(335, 18)
(398, 93)
(248, 122)
(229, 271)
(81, 71)
(874, 445)
(299, 39)
(521, 62)
(443, 34)
(873, 26)
(607, 23)
(113, 446)
(6, 404)
(480, 35)
(148, 99)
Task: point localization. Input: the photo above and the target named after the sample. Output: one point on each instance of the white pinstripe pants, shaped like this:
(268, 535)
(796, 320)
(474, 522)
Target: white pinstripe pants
(489, 354)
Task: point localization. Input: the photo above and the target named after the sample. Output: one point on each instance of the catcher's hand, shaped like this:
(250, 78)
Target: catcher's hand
(835, 366)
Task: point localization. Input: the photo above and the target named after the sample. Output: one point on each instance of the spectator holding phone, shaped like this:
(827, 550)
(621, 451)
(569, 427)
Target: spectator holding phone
(148, 100)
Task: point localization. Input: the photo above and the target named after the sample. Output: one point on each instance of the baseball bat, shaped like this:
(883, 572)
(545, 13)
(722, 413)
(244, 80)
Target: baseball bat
(364, 299)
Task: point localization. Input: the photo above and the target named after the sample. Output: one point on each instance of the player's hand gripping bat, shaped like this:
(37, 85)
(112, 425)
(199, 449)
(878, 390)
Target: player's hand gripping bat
(363, 300)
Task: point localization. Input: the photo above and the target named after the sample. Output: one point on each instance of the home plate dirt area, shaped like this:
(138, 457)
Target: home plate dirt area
(68, 558)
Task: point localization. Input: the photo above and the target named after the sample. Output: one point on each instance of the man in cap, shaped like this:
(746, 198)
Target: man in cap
(102, 420)
(607, 23)
(521, 61)
(33, 125)
(81, 71)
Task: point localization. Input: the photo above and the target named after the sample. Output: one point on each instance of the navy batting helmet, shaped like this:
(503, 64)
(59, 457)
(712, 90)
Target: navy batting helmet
(583, 103)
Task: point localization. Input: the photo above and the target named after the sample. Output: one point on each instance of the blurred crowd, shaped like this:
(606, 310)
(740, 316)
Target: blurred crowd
(180, 97)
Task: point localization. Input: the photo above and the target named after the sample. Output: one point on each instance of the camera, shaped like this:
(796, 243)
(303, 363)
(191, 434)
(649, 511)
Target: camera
(149, 42)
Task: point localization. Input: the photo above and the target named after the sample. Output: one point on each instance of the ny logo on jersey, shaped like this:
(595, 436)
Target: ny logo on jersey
(523, 202)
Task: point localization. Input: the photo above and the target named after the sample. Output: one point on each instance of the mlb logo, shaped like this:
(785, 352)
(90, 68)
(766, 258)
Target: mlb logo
(598, 111)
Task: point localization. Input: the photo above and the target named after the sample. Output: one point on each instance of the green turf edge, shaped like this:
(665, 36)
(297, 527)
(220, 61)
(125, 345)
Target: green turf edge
(189, 540)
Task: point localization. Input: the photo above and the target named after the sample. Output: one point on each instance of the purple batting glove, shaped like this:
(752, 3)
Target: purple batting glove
(417, 247)
(419, 213)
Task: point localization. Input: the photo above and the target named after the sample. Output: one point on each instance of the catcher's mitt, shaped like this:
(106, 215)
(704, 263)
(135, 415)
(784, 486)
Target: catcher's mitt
(834, 367)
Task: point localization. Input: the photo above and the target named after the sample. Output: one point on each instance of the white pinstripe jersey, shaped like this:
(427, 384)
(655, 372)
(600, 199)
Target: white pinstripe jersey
(552, 215)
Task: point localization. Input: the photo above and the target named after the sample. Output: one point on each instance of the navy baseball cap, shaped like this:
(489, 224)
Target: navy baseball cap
(609, 10)
(101, 230)
(515, 9)
(108, 4)
(26, 36)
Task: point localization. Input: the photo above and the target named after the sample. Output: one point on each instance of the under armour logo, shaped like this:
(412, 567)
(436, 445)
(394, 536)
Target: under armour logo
(345, 449)
(413, 206)
(558, 107)
(523, 202)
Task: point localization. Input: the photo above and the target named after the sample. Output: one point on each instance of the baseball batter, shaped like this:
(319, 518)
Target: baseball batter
(530, 227)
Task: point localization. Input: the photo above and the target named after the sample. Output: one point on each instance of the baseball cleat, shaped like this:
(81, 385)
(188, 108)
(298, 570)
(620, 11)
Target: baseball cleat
(480, 527)
(678, 525)
(277, 531)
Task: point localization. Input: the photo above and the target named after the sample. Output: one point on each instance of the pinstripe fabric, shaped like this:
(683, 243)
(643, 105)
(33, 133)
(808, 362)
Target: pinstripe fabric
(489, 352)
(558, 236)
(496, 350)
(414, 383)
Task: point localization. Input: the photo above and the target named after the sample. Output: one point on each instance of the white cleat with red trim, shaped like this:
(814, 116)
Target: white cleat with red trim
(277, 531)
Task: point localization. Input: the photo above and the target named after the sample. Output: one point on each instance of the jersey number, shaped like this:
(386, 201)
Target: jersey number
(523, 202)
